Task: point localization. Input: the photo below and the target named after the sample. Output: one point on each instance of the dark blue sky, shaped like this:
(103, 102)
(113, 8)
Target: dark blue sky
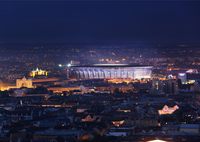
(64, 21)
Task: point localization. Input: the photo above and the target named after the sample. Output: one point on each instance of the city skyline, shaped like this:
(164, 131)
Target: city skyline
(99, 71)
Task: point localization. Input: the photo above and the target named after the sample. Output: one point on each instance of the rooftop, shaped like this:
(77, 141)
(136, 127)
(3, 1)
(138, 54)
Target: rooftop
(111, 65)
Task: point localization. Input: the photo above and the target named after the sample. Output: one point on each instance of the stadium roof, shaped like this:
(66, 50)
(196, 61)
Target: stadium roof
(111, 65)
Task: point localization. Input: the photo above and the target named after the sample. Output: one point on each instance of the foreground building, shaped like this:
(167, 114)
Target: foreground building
(109, 71)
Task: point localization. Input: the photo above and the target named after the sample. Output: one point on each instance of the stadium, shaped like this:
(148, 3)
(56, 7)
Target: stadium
(109, 71)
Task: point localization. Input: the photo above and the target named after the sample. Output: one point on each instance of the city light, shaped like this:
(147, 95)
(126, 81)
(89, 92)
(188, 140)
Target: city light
(156, 141)
(69, 65)
(100, 71)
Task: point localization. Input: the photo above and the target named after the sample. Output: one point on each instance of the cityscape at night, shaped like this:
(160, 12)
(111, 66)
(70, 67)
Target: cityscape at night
(99, 71)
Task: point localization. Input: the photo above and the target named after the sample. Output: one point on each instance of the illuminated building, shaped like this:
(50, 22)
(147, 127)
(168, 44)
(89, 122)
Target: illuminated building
(109, 71)
(24, 83)
(182, 77)
(19, 83)
(156, 140)
(189, 77)
(168, 110)
(38, 72)
(118, 123)
(89, 118)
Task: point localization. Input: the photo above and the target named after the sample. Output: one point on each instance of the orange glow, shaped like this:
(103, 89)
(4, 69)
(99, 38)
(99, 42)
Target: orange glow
(116, 81)
(168, 110)
(118, 123)
(38, 72)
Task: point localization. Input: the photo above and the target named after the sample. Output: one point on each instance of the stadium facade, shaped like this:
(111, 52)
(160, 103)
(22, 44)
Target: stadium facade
(109, 71)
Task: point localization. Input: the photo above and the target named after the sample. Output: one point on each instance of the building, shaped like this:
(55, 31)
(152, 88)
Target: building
(24, 83)
(189, 77)
(109, 71)
(168, 110)
(19, 84)
(171, 87)
(38, 72)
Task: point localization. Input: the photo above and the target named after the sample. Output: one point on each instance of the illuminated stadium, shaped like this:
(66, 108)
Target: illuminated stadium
(109, 71)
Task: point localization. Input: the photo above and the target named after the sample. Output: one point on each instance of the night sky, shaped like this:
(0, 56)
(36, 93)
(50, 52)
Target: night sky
(64, 21)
